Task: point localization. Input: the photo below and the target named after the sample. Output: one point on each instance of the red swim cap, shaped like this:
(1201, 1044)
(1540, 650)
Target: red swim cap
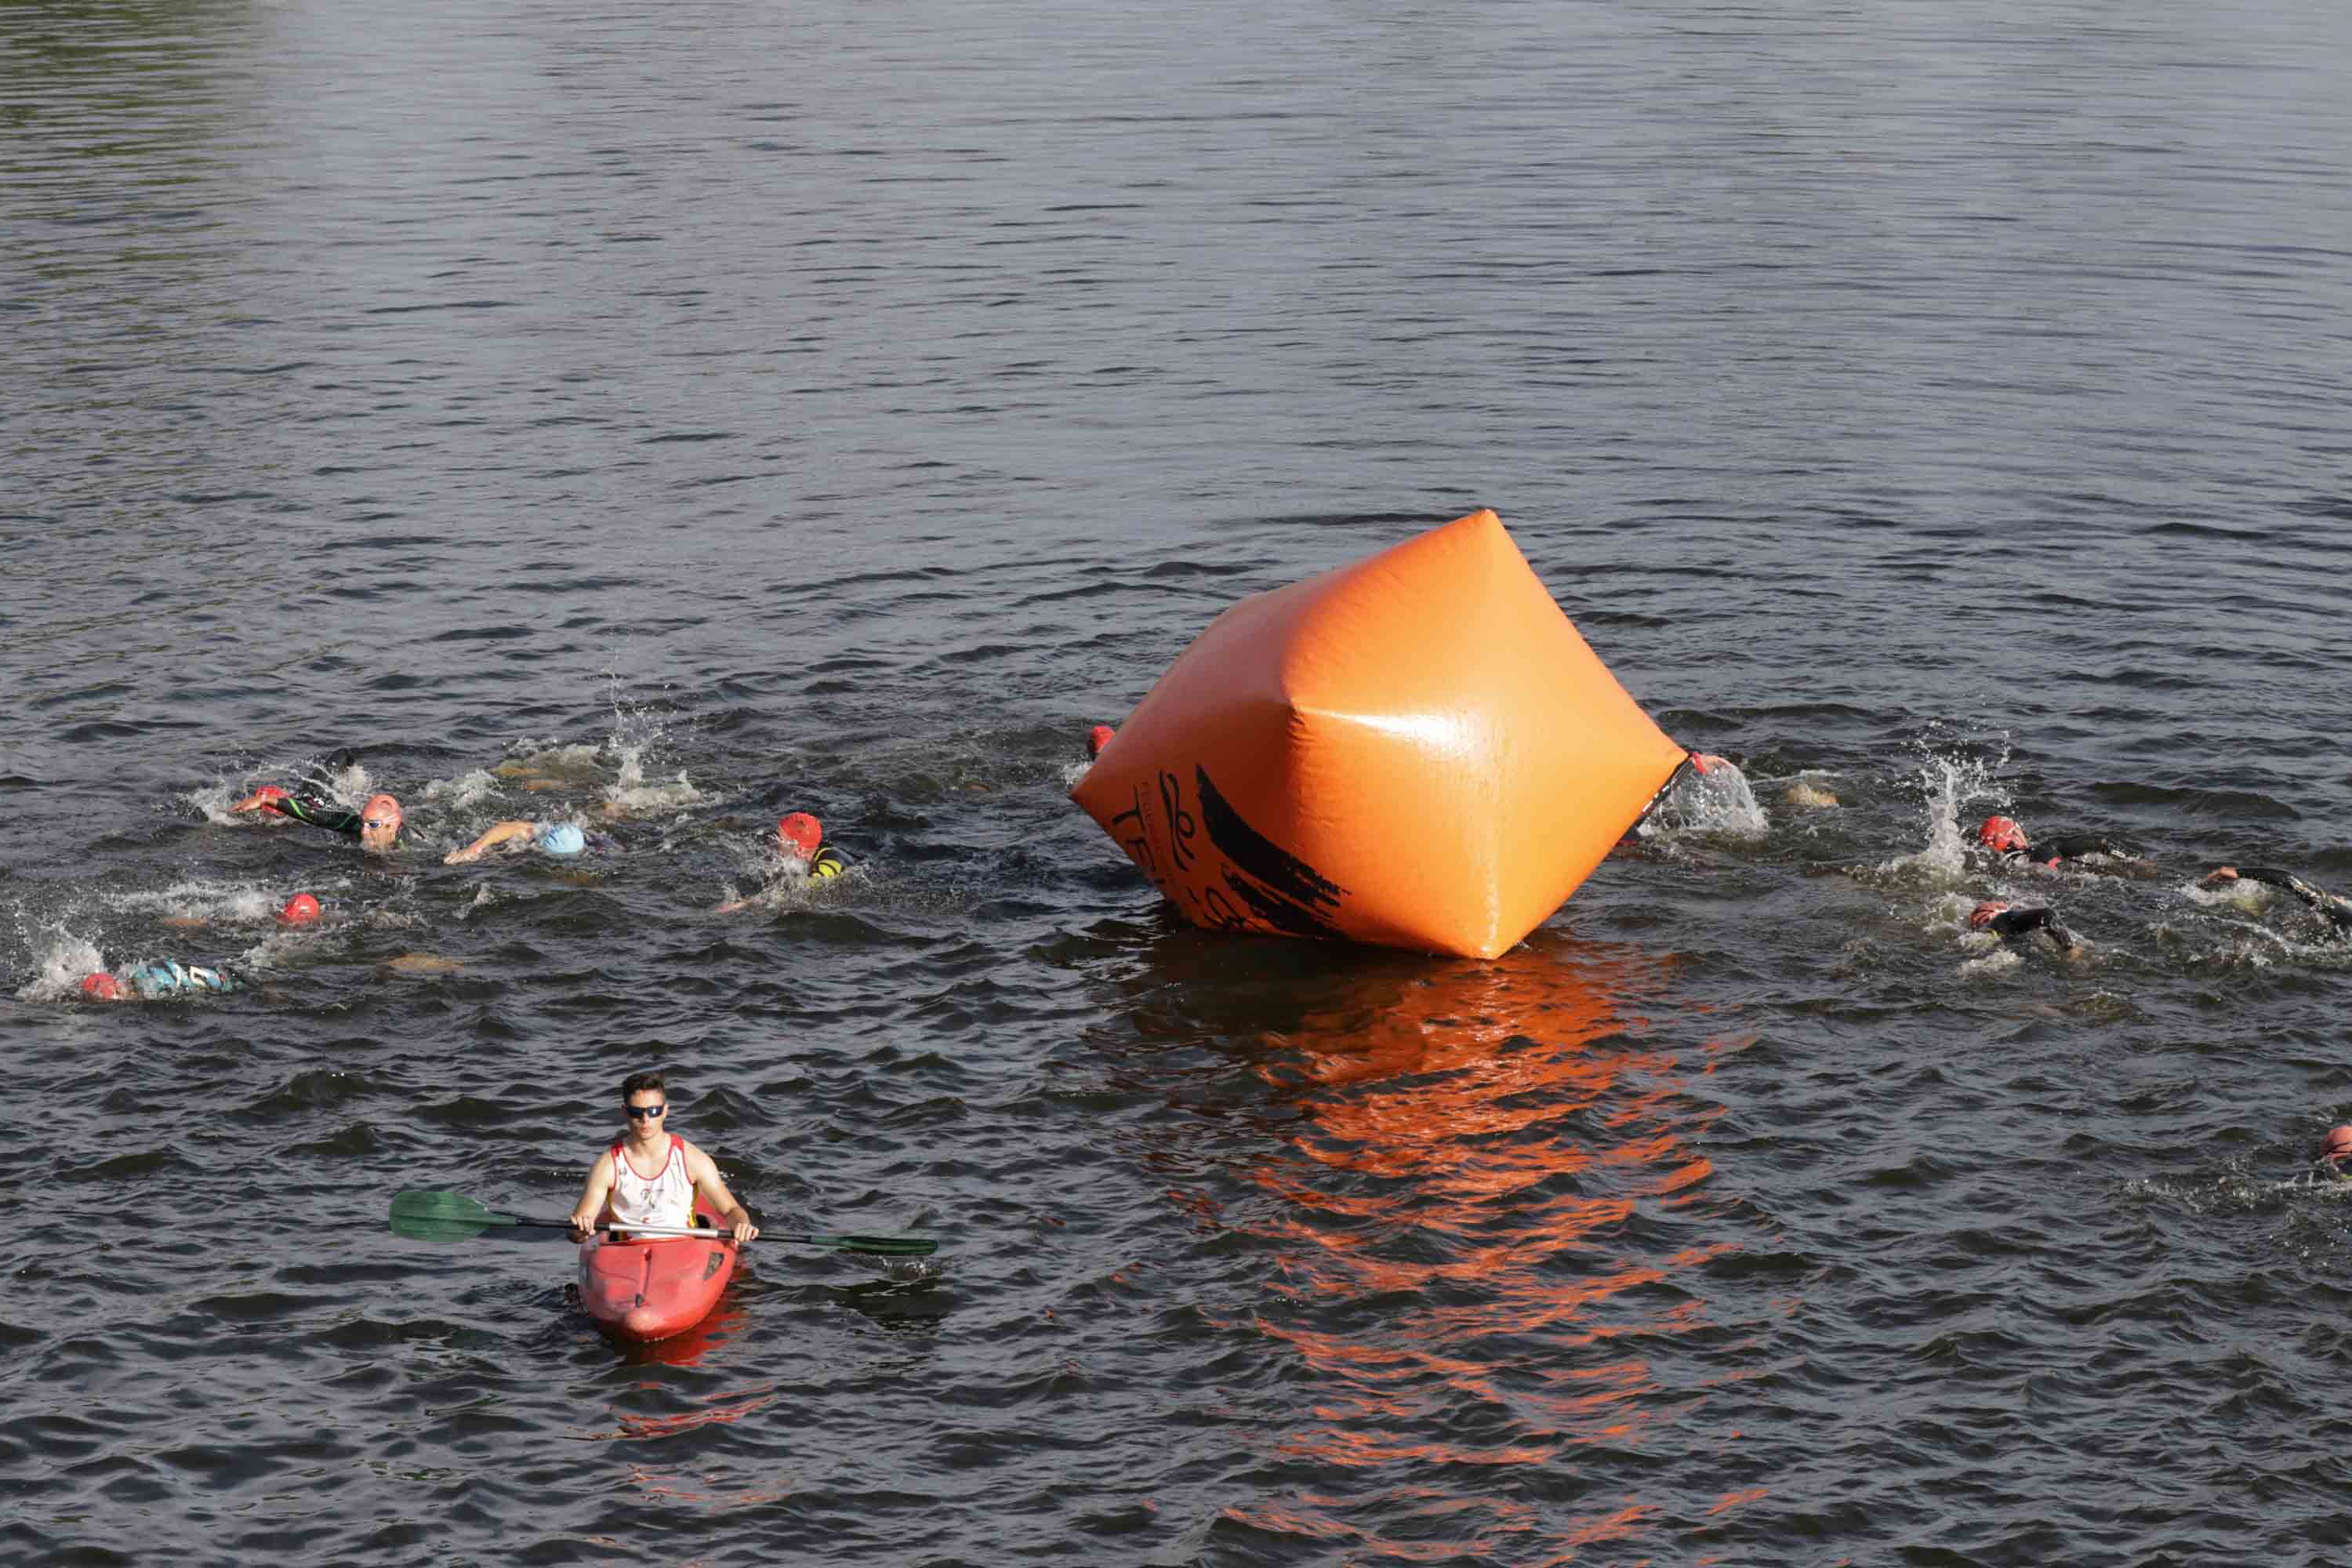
(102, 987)
(1981, 916)
(2001, 832)
(799, 831)
(300, 910)
(2338, 1145)
(1097, 738)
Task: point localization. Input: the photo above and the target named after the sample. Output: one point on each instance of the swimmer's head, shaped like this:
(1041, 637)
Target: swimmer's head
(562, 839)
(102, 987)
(2335, 1150)
(379, 822)
(1981, 916)
(2001, 834)
(258, 798)
(799, 835)
(300, 910)
(1097, 738)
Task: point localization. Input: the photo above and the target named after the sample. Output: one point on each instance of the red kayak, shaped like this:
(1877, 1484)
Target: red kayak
(645, 1288)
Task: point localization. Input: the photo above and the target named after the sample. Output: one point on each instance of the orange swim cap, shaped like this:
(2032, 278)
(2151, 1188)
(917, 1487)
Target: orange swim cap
(2338, 1145)
(1981, 916)
(799, 832)
(300, 910)
(102, 987)
(2001, 832)
(1097, 738)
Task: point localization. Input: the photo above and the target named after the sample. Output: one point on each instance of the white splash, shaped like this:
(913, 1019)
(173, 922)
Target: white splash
(57, 973)
(224, 903)
(1949, 787)
(468, 789)
(630, 796)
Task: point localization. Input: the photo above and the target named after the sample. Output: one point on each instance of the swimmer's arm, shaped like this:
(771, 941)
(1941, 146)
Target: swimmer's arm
(2025, 923)
(2075, 845)
(2336, 908)
(499, 833)
(316, 813)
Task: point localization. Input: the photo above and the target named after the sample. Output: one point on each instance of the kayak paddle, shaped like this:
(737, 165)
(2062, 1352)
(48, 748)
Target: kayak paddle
(454, 1216)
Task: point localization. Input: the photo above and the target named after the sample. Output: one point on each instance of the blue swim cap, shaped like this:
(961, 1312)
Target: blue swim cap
(561, 838)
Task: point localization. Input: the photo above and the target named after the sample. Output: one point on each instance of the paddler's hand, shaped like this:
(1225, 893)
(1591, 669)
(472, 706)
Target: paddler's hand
(744, 1230)
(581, 1226)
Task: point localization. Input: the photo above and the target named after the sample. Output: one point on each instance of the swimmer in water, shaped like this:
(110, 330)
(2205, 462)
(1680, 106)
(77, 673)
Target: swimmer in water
(2013, 924)
(376, 825)
(561, 840)
(2004, 837)
(155, 981)
(1096, 738)
(300, 910)
(2333, 908)
(2332, 1152)
(1701, 779)
(800, 842)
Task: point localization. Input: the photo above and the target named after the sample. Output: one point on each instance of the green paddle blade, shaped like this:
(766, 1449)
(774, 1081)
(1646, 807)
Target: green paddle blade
(880, 1246)
(443, 1216)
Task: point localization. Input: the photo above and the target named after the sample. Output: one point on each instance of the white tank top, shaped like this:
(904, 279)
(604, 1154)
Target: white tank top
(666, 1198)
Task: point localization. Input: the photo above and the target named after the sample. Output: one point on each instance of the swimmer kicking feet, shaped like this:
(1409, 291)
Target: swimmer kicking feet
(2333, 908)
(2004, 837)
(2012, 924)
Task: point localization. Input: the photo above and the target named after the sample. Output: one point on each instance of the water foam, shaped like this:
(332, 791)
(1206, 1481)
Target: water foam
(1718, 804)
(58, 970)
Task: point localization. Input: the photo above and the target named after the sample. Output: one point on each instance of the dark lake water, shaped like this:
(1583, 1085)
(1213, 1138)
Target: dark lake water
(718, 411)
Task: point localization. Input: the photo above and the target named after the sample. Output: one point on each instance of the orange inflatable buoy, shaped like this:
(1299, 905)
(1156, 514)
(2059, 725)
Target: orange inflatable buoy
(1417, 750)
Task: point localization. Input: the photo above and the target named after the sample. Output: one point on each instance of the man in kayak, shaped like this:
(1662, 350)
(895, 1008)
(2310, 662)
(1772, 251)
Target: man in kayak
(376, 825)
(2012, 924)
(651, 1175)
(153, 981)
(561, 840)
(2333, 908)
(2004, 837)
(800, 849)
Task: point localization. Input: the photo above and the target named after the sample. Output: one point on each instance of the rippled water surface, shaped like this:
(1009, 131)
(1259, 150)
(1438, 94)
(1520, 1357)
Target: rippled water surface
(711, 412)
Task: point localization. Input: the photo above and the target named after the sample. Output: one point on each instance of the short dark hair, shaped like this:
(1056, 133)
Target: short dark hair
(638, 1082)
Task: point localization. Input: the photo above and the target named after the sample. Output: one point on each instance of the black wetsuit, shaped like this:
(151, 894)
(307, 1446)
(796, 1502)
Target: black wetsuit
(2016, 924)
(2070, 846)
(318, 814)
(2333, 908)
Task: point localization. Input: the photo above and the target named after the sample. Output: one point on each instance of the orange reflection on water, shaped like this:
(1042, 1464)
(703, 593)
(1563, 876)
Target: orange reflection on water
(663, 1484)
(1512, 1532)
(1481, 1145)
(723, 1323)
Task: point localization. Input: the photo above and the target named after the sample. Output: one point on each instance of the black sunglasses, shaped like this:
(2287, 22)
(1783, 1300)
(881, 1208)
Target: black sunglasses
(637, 1111)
